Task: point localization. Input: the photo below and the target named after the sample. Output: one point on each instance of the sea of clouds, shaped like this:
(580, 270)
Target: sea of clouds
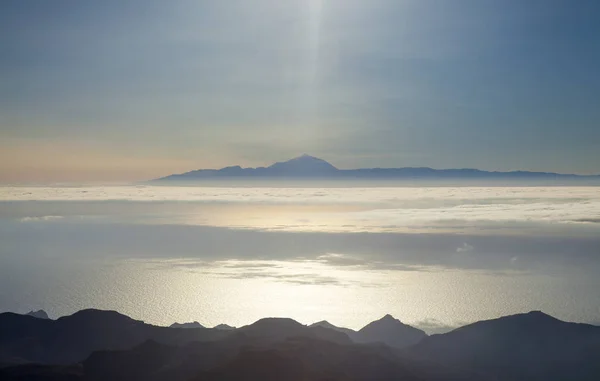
(416, 246)
(466, 210)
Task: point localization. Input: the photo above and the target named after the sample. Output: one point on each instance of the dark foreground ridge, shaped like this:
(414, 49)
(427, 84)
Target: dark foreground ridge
(310, 167)
(105, 345)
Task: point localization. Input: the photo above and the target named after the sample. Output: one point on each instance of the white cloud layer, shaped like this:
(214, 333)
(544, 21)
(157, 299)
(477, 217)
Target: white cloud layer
(422, 196)
(377, 209)
(308, 253)
(40, 219)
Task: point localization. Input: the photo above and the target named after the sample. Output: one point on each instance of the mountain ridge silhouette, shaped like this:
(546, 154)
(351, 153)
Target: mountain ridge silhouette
(387, 330)
(306, 167)
(97, 345)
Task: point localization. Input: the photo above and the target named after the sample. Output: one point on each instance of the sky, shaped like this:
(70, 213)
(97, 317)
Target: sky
(132, 90)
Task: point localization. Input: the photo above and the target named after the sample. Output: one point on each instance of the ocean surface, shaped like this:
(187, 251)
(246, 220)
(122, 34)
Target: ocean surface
(435, 257)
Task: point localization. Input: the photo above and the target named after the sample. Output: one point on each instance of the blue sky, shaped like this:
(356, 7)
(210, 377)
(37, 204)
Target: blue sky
(128, 90)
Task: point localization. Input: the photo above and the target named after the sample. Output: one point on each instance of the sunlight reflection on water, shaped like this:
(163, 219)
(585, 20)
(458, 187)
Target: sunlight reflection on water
(434, 257)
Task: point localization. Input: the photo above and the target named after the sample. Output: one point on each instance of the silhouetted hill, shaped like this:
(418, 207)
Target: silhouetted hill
(152, 361)
(391, 332)
(70, 339)
(111, 346)
(532, 346)
(193, 324)
(299, 358)
(306, 359)
(40, 314)
(325, 324)
(306, 166)
(279, 329)
(263, 365)
(386, 330)
(155, 361)
(224, 327)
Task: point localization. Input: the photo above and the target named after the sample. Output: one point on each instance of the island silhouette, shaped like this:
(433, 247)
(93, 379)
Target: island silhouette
(310, 167)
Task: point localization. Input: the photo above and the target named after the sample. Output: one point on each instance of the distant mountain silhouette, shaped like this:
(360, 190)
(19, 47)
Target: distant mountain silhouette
(224, 327)
(391, 332)
(279, 329)
(142, 362)
(299, 358)
(307, 166)
(302, 165)
(40, 314)
(70, 339)
(193, 324)
(386, 330)
(94, 345)
(532, 346)
(156, 361)
(304, 359)
(325, 324)
(152, 360)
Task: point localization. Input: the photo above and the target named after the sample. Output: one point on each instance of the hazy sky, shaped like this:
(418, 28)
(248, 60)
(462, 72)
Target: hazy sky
(128, 90)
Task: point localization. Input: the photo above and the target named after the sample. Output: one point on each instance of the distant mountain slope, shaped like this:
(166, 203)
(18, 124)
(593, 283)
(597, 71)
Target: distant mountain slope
(302, 165)
(300, 358)
(70, 339)
(306, 166)
(224, 327)
(387, 330)
(40, 314)
(305, 359)
(111, 346)
(532, 346)
(390, 331)
(193, 324)
(154, 361)
(279, 329)
(325, 324)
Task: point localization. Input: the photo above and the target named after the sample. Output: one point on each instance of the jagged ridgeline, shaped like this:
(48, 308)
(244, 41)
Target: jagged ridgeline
(106, 345)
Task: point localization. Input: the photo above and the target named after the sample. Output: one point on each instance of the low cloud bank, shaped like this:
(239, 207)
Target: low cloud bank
(466, 210)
